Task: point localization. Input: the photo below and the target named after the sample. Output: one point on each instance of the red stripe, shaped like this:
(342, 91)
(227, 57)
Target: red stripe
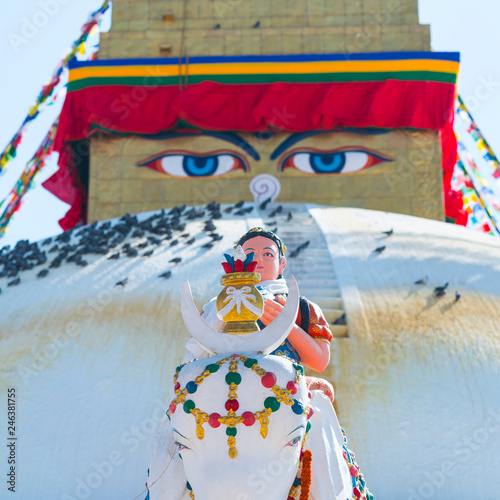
(252, 108)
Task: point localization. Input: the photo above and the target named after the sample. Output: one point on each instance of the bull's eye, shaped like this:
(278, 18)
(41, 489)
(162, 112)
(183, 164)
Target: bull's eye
(189, 164)
(180, 446)
(294, 442)
(344, 161)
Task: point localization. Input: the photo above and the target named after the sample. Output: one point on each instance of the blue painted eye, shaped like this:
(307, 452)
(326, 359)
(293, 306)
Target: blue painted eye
(294, 441)
(335, 162)
(180, 446)
(328, 163)
(197, 166)
(192, 165)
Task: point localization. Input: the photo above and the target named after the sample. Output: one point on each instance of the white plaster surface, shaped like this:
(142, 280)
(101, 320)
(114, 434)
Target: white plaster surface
(417, 380)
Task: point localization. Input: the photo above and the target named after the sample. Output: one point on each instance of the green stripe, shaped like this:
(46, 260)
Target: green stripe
(179, 124)
(95, 126)
(429, 76)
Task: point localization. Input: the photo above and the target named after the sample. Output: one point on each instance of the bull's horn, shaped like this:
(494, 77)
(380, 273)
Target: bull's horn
(264, 341)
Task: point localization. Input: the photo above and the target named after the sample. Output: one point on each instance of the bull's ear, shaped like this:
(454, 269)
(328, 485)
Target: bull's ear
(264, 341)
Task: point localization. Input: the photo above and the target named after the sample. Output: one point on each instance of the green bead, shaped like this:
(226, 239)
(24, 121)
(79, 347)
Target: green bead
(212, 368)
(308, 427)
(250, 362)
(300, 368)
(189, 405)
(272, 403)
(233, 377)
(231, 431)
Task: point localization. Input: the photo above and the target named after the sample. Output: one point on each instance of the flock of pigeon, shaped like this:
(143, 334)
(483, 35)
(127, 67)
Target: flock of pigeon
(127, 237)
(439, 291)
(117, 239)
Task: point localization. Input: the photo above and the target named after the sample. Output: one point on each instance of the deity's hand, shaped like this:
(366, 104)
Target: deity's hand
(272, 310)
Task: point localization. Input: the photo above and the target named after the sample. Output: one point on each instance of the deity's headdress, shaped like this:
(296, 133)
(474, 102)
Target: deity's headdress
(260, 231)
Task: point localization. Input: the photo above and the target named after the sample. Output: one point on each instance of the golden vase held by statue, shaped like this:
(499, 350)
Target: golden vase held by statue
(240, 304)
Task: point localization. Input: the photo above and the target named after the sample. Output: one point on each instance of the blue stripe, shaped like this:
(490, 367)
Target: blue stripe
(372, 56)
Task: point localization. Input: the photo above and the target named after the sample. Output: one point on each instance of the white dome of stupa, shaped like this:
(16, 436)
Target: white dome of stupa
(91, 347)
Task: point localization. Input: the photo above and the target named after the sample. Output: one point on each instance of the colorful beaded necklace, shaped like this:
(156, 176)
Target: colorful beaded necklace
(271, 404)
(233, 379)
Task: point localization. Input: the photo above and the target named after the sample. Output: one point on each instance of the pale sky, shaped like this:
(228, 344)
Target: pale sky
(49, 27)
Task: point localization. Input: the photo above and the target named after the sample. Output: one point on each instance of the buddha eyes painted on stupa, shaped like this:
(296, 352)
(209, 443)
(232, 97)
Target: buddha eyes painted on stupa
(190, 164)
(344, 161)
(310, 153)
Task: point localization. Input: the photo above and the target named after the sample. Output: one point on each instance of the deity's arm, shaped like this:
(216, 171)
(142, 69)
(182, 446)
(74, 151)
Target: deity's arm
(315, 354)
(313, 346)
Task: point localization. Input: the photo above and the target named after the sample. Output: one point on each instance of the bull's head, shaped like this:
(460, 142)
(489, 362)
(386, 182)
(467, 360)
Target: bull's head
(239, 422)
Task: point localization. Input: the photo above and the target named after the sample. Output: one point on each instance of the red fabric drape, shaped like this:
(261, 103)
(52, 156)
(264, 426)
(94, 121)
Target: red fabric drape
(292, 107)
(66, 186)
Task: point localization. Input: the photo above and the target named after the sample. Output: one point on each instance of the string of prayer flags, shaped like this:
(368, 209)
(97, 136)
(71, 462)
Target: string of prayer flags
(481, 143)
(27, 179)
(480, 200)
(9, 153)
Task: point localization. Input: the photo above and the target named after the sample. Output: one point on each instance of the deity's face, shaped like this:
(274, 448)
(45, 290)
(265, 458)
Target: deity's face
(270, 265)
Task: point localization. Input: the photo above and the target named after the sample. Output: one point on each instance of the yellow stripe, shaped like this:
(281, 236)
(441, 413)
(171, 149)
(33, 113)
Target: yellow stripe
(267, 68)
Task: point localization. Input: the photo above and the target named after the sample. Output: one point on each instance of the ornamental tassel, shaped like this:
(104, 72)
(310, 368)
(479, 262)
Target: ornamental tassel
(305, 476)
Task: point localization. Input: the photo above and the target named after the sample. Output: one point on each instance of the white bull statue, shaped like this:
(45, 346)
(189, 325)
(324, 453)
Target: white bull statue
(242, 424)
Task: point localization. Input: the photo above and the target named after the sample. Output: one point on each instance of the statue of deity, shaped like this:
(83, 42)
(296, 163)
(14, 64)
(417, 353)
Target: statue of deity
(243, 374)
(309, 341)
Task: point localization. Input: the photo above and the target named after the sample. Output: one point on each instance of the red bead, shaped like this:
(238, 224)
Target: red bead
(213, 420)
(309, 395)
(172, 407)
(268, 380)
(292, 387)
(248, 418)
(232, 404)
(345, 454)
(354, 471)
(356, 492)
(177, 386)
(311, 413)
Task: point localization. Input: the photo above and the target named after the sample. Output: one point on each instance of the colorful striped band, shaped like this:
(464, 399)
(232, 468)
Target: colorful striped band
(312, 68)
